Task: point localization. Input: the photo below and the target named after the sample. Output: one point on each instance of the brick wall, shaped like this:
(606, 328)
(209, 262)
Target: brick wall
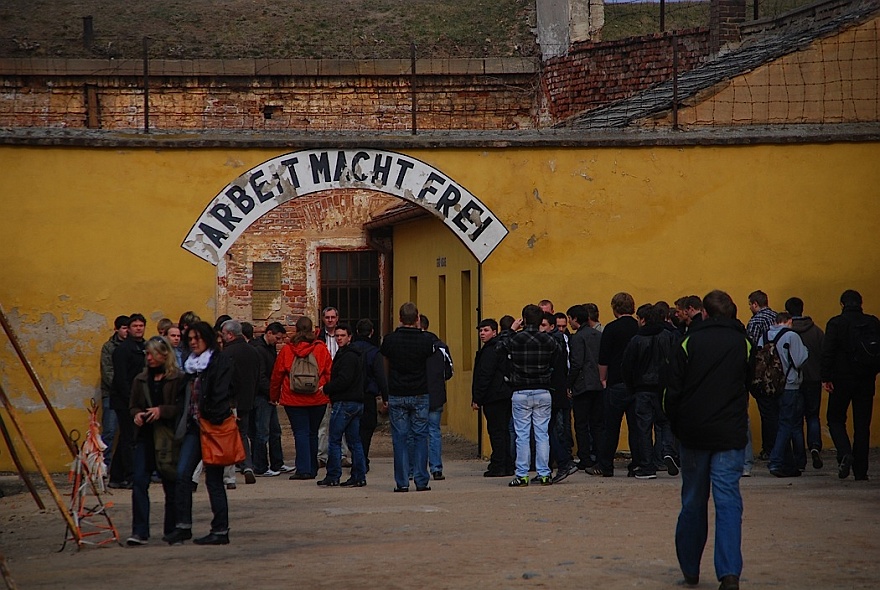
(293, 234)
(593, 74)
(725, 17)
(306, 94)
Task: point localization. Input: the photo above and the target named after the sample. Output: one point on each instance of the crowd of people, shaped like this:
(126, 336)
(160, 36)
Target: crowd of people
(548, 383)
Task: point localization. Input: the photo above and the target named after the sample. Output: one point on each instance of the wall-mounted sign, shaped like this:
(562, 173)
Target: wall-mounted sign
(298, 174)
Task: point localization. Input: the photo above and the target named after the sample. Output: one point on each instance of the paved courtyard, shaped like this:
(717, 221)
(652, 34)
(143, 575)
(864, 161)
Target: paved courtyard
(467, 532)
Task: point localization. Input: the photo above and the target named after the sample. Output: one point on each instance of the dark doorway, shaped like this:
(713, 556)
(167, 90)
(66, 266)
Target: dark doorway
(350, 283)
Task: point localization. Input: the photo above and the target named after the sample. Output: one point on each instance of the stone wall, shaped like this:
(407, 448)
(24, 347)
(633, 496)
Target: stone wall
(593, 74)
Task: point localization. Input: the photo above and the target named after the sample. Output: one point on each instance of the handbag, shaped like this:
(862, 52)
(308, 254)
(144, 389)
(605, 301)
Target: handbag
(221, 443)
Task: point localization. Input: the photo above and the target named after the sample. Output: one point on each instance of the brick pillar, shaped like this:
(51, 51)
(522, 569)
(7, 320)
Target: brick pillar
(725, 16)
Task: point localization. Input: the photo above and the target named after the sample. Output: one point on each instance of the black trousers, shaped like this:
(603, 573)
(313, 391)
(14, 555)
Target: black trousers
(768, 408)
(587, 409)
(122, 465)
(860, 394)
(369, 421)
(498, 415)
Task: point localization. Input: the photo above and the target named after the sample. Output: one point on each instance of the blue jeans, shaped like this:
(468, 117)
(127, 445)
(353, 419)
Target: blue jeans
(304, 421)
(266, 431)
(190, 455)
(144, 465)
(722, 470)
(788, 450)
(531, 407)
(435, 442)
(345, 418)
(811, 393)
(409, 414)
(109, 425)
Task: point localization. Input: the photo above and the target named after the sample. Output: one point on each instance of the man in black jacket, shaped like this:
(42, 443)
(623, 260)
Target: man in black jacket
(129, 359)
(346, 392)
(584, 385)
(245, 381)
(811, 386)
(490, 390)
(848, 374)
(375, 383)
(265, 428)
(644, 373)
(707, 403)
(407, 350)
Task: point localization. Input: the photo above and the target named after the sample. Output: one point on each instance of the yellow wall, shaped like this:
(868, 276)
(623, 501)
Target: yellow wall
(417, 278)
(86, 234)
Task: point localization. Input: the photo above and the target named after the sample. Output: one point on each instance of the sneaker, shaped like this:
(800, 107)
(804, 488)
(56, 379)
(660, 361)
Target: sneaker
(492, 473)
(690, 581)
(213, 539)
(747, 473)
(544, 480)
(178, 536)
(817, 458)
(423, 488)
(844, 467)
(268, 473)
(249, 476)
(329, 483)
(519, 482)
(346, 462)
(438, 475)
(729, 583)
(286, 469)
(644, 475)
(401, 490)
(763, 456)
(564, 472)
(230, 486)
(672, 466)
(322, 463)
(135, 541)
(299, 475)
(351, 483)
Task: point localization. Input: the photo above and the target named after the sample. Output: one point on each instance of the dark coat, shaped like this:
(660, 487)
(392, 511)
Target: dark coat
(583, 371)
(707, 398)
(436, 374)
(215, 401)
(346, 376)
(837, 350)
(129, 359)
(170, 405)
(490, 381)
(645, 359)
(268, 354)
(407, 350)
(248, 368)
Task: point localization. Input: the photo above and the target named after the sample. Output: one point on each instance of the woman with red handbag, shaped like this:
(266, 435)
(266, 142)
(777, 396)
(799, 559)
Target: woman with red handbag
(206, 405)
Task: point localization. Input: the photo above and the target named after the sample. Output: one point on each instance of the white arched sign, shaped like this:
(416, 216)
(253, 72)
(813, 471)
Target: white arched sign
(297, 174)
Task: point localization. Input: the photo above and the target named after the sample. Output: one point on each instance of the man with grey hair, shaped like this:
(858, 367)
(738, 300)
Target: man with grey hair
(245, 381)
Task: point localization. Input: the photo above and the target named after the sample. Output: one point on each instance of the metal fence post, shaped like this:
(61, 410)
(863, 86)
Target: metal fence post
(146, 85)
(414, 99)
(662, 16)
(675, 83)
(88, 32)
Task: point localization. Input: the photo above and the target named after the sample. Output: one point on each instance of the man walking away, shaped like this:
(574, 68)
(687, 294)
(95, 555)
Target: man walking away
(248, 368)
(438, 372)
(707, 402)
(811, 386)
(762, 319)
(850, 362)
(585, 386)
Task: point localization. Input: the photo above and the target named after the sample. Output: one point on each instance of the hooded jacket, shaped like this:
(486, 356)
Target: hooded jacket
(645, 358)
(812, 337)
(837, 351)
(491, 372)
(707, 397)
(583, 373)
(279, 390)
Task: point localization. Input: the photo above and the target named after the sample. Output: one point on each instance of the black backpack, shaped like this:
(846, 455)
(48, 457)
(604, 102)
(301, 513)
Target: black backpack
(864, 344)
(770, 374)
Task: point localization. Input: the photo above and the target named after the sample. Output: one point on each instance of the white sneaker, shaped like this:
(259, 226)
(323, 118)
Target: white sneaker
(287, 469)
(268, 473)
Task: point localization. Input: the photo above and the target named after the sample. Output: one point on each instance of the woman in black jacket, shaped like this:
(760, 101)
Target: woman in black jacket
(153, 403)
(208, 395)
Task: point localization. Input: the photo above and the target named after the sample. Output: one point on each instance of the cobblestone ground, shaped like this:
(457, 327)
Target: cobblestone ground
(815, 531)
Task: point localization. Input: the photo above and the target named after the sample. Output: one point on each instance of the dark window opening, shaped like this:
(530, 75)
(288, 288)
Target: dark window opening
(350, 283)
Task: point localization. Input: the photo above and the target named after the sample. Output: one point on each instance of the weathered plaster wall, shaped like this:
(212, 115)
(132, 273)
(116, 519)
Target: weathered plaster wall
(91, 233)
(433, 269)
